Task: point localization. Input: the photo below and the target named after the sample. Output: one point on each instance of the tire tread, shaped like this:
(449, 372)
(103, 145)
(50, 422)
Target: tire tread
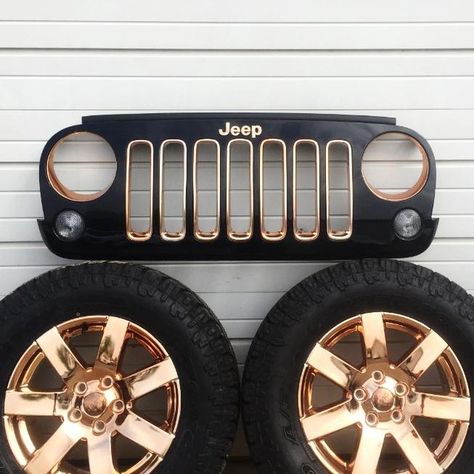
(207, 334)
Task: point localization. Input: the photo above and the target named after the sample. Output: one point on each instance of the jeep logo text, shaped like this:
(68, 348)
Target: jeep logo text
(246, 130)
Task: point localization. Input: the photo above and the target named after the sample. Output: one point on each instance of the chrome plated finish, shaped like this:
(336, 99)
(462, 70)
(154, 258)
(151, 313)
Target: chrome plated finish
(232, 234)
(345, 233)
(214, 233)
(95, 402)
(299, 233)
(136, 236)
(360, 394)
(164, 233)
(280, 233)
(386, 399)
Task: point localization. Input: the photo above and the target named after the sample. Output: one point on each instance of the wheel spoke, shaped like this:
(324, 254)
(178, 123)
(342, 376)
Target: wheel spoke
(112, 343)
(424, 355)
(417, 453)
(443, 407)
(369, 451)
(146, 434)
(374, 336)
(99, 449)
(27, 403)
(328, 421)
(46, 458)
(59, 354)
(331, 366)
(151, 378)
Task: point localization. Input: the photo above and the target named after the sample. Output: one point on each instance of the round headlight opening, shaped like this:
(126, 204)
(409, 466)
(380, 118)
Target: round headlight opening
(407, 224)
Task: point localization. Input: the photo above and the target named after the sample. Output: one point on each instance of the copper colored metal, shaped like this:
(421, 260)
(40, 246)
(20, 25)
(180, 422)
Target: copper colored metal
(233, 234)
(339, 234)
(138, 236)
(198, 232)
(385, 398)
(299, 233)
(173, 236)
(56, 183)
(95, 402)
(281, 232)
(413, 190)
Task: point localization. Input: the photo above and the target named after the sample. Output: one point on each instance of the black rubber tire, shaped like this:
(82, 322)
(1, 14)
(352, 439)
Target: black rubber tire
(182, 322)
(306, 313)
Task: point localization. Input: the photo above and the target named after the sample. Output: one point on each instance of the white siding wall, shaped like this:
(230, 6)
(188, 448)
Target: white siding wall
(60, 60)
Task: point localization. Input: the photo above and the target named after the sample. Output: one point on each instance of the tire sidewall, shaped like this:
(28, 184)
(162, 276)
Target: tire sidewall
(167, 319)
(291, 451)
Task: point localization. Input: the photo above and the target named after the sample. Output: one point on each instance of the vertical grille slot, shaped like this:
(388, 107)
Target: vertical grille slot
(306, 189)
(273, 189)
(239, 184)
(339, 195)
(206, 189)
(139, 190)
(173, 179)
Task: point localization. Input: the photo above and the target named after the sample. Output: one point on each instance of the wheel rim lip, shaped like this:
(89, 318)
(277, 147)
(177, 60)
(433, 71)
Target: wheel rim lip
(17, 433)
(319, 446)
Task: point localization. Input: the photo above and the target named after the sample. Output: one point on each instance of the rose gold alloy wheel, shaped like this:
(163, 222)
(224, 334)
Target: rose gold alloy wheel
(396, 425)
(97, 402)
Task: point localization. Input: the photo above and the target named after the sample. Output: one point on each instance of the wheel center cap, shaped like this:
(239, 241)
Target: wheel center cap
(95, 404)
(383, 399)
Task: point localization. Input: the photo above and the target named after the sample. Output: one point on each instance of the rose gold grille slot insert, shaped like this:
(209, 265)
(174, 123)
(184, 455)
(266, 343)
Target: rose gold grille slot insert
(271, 151)
(138, 150)
(206, 161)
(339, 158)
(173, 158)
(306, 168)
(239, 151)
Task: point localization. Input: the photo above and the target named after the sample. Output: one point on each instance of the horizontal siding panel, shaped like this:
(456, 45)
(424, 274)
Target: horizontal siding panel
(241, 329)
(241, 349)
(236, 36)
(235, 64)
(19, 230)
(244, 93)
(242, 11)
(452, 227)
(239, 278)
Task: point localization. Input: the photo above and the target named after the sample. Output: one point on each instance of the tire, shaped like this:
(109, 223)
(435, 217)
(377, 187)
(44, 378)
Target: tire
(284, 360)
(165, 321)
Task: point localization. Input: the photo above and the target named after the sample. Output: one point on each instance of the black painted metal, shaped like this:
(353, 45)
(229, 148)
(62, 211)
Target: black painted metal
(105, 235)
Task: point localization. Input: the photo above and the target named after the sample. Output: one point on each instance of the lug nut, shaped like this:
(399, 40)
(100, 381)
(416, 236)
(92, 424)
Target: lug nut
(397, 416)
(378, 376)
(371, 419)
(75, 415)
(107, 382)
(359, 394)
(80, 388)
(118, 406)
(401, 389)
(129, 405)
(98, 427)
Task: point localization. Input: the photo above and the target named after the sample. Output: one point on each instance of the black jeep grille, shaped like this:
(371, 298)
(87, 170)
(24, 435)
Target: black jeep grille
(274, 155)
